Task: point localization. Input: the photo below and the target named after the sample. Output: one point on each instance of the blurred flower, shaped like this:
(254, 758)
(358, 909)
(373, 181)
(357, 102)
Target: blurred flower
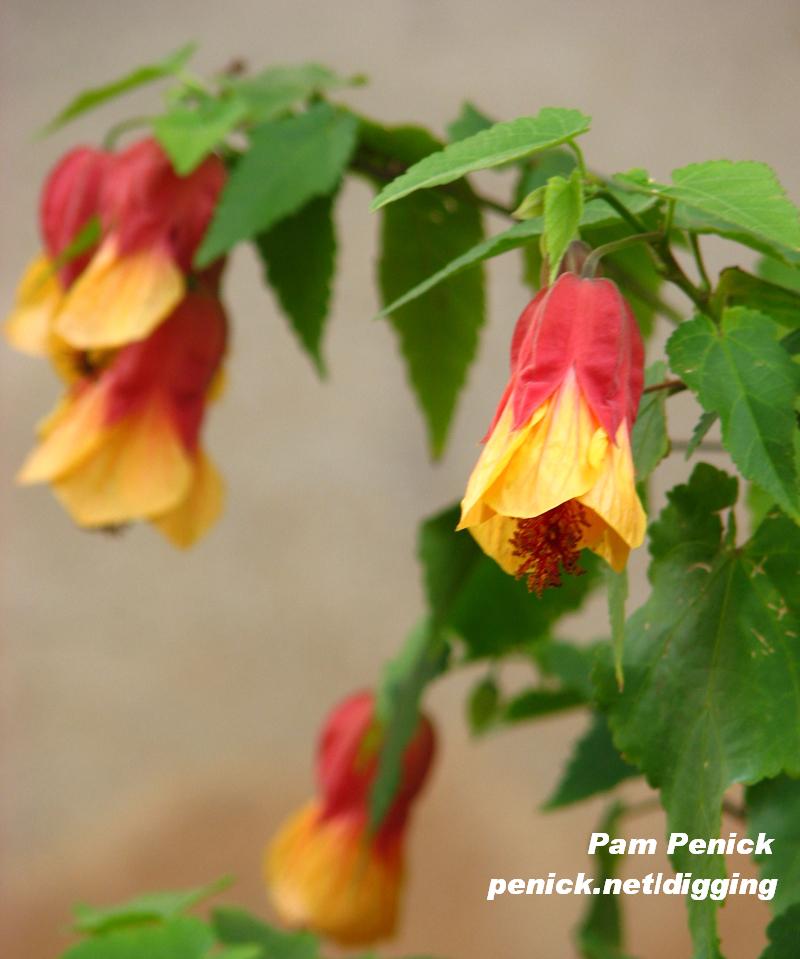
(70, 201)
(124, 443)
(152, 223)
(556, 472)
(324, 869)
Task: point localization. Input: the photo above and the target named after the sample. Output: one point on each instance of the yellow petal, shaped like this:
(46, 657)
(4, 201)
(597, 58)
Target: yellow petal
(199, 509)
(120, 299)
(141, 469)
(502, 445)
(71, 433)
(614, 500)
(37, 301)
(494, 538)
(324, 875)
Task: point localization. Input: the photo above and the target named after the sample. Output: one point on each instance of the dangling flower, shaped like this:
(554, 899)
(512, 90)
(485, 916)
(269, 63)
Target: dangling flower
(152, 222)
(124, 443)
(70, 201)
(556, 472)
(324, 869)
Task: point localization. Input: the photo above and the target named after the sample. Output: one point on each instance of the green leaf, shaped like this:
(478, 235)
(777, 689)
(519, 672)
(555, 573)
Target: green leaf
(469, 122)
(600, 932)
(94, 97)
(422, 659)
(182, 937)
(759, 504)
(273, 91)
(784, 936)
(617, 590)
(491, 611)
(700, 431)
(299, 256)
(742, 200)
(236, 927)
(290, 162)
(239, 952)
(742, 373)
(145, 908)
(501, 143)
(594, 767)
(563, 206)
(595, 213)
(737, 288)
(189, 134)
(482, 705)
(773, 807)
(438, 334)
(535, 703)
(778, 272)
(711, 662)
(649, 438)
(537, 170)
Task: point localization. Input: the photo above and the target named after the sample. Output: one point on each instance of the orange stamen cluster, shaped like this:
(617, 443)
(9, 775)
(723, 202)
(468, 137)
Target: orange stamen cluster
(549, 544)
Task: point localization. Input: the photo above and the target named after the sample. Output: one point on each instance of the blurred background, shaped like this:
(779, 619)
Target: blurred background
(159, 710)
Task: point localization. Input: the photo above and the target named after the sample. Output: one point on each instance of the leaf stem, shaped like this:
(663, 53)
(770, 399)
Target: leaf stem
(674, 386)
(697, 253)
(590, 264)
(579, 157)
(121, 128)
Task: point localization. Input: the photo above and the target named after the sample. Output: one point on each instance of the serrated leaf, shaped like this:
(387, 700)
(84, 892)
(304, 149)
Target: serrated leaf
(468, 122)
(423, 658)
(189, 134)
(237, 927)
(299, 258)
(501, 143)
(596, 212)
(711, 696)
(438, 334)
(94, 97)
(182, 937)
(594, 767)
(738, 288)
(145, 908)
(700, 431)
(784, 936)
(271, 92)
(743, 201)
(649, 437)
(289, 162)
(742, 373)
(773, 807)
(492, 612)
(600, 932)
(563, 207)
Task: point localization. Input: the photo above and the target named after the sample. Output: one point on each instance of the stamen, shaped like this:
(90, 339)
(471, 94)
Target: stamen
(549, 544)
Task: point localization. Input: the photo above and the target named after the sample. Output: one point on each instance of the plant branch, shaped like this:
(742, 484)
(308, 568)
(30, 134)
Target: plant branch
(591, 261)
(694, 242)
(674, 386)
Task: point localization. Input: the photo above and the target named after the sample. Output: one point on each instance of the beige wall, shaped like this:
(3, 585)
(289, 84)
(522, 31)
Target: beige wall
(159, 709)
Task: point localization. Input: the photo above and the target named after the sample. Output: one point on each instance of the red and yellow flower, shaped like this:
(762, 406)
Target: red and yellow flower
(124, 443)
(556, 473)
(152, 223)
(324, 869)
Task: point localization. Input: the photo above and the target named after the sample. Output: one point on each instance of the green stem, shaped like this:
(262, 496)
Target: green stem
(590, 264)
(697, 253)
(579, 157)
(120, 129)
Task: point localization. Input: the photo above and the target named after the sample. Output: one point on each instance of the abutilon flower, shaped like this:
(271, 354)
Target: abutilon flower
(556, 472)
(70, 201)
(324, 869)
(124, 443)
(152, 222)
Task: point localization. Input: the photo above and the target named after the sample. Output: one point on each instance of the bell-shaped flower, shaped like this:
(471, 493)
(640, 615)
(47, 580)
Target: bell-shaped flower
(70, 200)
(124, 444)
(325, 870)
(556, 472)
(152, 222)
